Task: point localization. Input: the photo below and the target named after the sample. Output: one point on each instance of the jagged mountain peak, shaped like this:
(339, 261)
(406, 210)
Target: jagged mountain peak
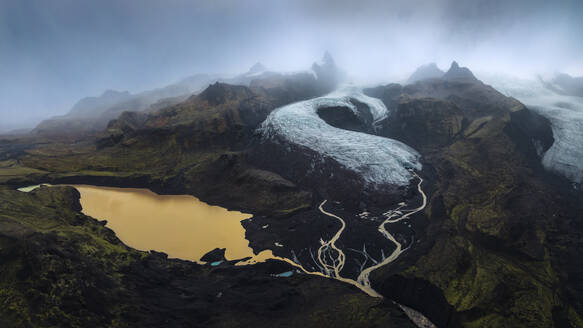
(327, 59)
(327, 72)
(427, 71)
(458, 73)
(258, 67)
(326, 62)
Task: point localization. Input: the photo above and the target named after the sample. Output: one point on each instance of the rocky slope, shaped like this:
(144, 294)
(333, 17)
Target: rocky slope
(495, 215)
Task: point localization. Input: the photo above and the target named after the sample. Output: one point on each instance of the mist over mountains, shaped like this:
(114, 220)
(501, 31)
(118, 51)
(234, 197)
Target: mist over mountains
(64, 51)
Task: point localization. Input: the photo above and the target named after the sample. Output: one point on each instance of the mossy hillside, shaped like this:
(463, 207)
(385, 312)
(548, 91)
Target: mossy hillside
(197, 147)
(44, 242)
(171, 163)
(496, 270)
(485, 286)
(10, 169)
(488, 247)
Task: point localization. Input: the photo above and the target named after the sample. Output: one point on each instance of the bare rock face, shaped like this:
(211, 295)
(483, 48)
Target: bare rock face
(217, 254)
(425, 123)
(457, 73)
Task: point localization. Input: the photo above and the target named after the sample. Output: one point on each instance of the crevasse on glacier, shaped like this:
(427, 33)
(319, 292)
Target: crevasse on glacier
(376, 159)
(565, 156)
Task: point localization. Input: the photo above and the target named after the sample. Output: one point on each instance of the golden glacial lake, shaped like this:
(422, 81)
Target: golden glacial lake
(179, 225)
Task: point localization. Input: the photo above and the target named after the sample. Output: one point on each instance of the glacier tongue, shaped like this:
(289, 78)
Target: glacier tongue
(566, 115)
(376, 159)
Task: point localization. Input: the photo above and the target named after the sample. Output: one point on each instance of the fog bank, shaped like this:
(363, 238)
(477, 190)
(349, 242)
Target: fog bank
(54, 52)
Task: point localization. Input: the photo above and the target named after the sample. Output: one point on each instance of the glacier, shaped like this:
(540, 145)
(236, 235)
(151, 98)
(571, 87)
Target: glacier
(565, 113)
(378, 160)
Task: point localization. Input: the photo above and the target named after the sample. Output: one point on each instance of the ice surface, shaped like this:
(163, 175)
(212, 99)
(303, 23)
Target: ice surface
(377, 159)
(566, 115)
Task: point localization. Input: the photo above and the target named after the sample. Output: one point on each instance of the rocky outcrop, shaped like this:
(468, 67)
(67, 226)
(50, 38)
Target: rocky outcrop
(217, 254)
(425, 123)
(457, 73)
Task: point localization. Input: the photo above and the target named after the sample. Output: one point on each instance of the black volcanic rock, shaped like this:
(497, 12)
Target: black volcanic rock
(425, 123)
(428, 71)
(345, 118)
(217, 254)
(457, 73)
(389, 94)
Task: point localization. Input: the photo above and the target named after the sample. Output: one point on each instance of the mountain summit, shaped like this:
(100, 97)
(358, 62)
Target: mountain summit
(257, 68)
(327, 72)
(457, 73)
(428, 71)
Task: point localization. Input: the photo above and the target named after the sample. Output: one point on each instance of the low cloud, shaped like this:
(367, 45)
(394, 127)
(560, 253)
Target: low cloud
(55, 52)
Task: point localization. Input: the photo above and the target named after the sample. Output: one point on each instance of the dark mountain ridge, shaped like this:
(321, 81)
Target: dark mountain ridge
(92, 114)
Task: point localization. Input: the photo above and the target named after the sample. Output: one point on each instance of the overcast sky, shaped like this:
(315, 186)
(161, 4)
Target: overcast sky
(53, 52)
